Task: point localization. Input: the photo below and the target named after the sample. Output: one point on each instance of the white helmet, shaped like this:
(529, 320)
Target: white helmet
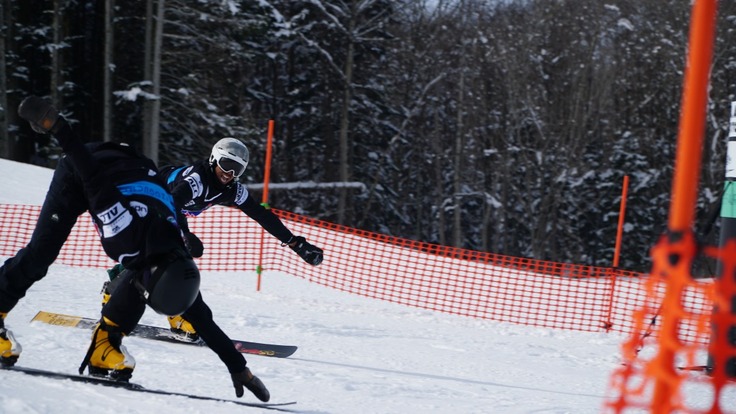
(231, 156)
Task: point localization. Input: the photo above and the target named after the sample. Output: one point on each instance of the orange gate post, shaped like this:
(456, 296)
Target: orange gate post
(686, 174)
(264, 199)
(617, 251)
(621, 214)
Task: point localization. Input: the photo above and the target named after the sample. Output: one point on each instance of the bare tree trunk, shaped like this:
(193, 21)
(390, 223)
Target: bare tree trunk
(147, 76)
(55, 63)
(439, 179)
(457, 233)
(107, 75)
(3, 86)
(16, 88)
(345, 124)
(156, 80)
(486, 224)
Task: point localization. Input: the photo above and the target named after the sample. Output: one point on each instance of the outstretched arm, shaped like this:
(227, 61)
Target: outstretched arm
(269, 221)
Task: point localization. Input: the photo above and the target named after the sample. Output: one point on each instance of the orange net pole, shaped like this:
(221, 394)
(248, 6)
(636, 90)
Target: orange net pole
(621, 214)
(264, 200)
(267, 169)
(685, 184)
(692, 117)
(617, 251)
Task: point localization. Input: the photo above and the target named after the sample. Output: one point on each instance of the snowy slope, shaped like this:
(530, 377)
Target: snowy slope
(356, 355)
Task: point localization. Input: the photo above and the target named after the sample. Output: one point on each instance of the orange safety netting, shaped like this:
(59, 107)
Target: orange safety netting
(661, 381)
(428, 276)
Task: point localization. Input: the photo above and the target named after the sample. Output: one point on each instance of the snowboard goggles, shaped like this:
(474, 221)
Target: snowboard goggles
(231, 166)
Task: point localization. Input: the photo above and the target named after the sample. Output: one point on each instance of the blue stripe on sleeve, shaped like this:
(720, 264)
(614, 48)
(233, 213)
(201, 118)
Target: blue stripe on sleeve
(173, 174)
(149, 189)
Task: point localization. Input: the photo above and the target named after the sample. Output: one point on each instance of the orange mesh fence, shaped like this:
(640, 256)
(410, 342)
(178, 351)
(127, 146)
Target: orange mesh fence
(456, 281)
(664, 381)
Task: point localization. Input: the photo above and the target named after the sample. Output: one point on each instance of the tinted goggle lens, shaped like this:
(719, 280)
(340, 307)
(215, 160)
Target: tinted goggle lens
(231, 166)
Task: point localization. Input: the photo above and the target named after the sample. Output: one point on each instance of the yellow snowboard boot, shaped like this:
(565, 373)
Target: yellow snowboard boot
(107, 357)
(10, 349)
(182, 329)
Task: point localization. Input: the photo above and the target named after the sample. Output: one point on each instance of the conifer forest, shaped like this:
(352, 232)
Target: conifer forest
(502, 126)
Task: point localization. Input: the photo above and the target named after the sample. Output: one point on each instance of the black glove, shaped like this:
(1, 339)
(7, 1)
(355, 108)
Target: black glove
(252, 383)
(309, 252)
(194, 245)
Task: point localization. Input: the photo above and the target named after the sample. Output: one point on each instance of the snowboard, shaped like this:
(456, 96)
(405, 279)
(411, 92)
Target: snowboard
(164, 334)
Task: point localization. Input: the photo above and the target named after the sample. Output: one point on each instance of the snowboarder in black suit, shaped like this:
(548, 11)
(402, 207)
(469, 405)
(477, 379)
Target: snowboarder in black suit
(136, 220)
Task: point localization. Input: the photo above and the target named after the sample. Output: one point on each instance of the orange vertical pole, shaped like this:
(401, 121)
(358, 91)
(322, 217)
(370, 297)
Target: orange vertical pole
(621, 214)
(264, 199)
(692, 116)
(687, 172)
(267, 170)
(617, 250)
